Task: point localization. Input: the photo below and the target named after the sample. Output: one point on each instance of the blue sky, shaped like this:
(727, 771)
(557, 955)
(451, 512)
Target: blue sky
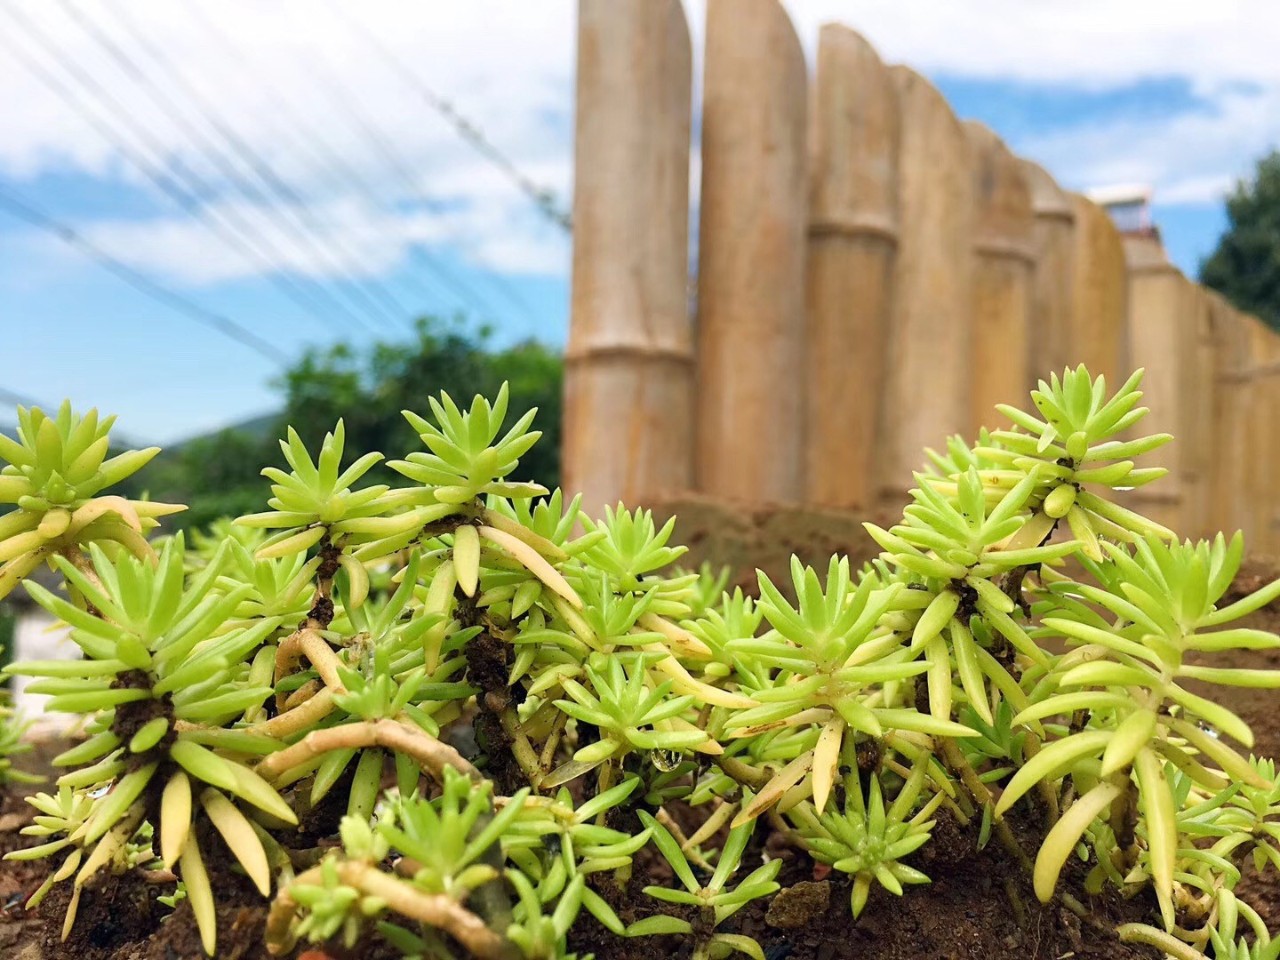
(1179, 95)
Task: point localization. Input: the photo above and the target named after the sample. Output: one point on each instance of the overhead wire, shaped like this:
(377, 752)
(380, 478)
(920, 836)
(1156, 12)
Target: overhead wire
(503, 286)
(292, 222)
(222, 222)
(378, 142)
(542, 197)
(330, 158)
(338, 174)
(25, 210)
(373, 293)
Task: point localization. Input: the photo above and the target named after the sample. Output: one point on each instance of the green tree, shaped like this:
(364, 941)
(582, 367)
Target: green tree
(1245, 267)
(367, 386)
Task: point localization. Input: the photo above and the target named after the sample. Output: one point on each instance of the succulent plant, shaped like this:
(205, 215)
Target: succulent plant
(512, 700)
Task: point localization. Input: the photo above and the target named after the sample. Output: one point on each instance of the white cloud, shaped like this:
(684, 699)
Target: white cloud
(296, 67)
(1225, 51)
(1190, 158)
(1087, 43)
(297, 73)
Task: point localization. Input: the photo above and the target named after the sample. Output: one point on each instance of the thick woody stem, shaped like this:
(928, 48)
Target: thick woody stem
(428, 752)
(304, 715)
(307, 641)
(436, 910)
(526, 757)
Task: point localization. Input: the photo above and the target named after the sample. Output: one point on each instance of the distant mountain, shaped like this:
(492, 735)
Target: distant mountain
(259, 427)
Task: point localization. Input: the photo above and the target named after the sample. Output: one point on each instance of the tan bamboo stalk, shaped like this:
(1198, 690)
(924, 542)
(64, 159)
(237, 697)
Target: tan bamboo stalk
(1096, 334)
(1052, 312)
(853, 234)
(1231, 361)
(930, 342)
(751, 256)
(1160, 340)
(629, 362)
(1004, 261)
(1262, 473)
(1198, 396)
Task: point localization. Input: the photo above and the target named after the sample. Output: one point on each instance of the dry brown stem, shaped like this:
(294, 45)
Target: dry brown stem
(429, 753)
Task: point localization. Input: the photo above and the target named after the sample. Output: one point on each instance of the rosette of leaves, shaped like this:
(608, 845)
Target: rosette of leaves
(714, 900)
(1074, 443)
(162, 680)
(380, 702)
(446, 852)
(956, 553)
(549, 649)
(13, 744)
(629, 713)
(632, 551)
(836, 672)
(575, 838)
(731, 617)
(1128, 674)
(868, 840)
(375, 693)
(467, 459)
(507, 589)
(466, 467)
(708, 589)
(57, 818)
(282, 587)
(54, 474)
(316, 501)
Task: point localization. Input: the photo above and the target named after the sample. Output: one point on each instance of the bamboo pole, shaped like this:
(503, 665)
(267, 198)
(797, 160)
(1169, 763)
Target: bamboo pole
(1231, 362)
(1096, 334)
(1197, 395)
(1052, 312)
(1003, 267)
(930, 343)
(1160, 341)
(1262, 473)
(853, 233)
(629, 362)
(751, 269)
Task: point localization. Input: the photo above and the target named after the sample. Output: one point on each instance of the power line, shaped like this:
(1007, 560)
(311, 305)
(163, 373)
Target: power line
(294, 222)
(542, 197)
(372, 294)
(338, 169)
(24, 210)
(224, 224)
(392, 158)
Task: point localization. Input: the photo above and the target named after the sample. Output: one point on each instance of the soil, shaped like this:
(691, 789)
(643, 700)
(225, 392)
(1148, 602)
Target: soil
(979, 905)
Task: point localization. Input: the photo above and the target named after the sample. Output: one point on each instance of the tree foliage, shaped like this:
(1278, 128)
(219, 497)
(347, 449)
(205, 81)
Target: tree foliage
(1245, 267)
(368, 386)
